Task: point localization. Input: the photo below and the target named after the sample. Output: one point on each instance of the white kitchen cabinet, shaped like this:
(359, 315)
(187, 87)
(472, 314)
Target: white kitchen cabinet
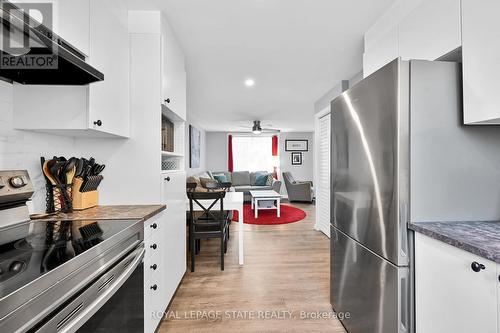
(164, 262)
(174, 196)
(450, 296)
(431, 30)
(109, 100)
(95, 110)
(481, 67)
(173, 72)
(70, 20)
(383, 51)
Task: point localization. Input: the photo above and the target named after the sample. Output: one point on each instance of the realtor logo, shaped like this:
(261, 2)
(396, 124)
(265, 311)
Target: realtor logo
(23, 44)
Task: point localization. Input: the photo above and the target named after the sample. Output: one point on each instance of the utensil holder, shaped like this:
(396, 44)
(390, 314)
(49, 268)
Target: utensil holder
(83, 200)
(58, 198)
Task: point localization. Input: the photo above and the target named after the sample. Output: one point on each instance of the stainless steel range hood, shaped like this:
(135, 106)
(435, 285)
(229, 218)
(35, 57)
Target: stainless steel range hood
(30, 53)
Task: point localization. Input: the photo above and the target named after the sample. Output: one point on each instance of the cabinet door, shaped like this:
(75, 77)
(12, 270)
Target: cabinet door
(109, 52)
(480, 54)
(173, 72)
(383, 51)
(450, 296)
(431, 30)
(73, 23)
(173, 187)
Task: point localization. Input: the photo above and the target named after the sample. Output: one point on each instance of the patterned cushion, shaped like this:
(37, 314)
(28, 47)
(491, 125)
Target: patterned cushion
(269, 180)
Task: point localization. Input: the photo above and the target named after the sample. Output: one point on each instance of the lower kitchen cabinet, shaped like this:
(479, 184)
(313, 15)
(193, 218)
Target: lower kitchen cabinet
(450, 295)
(164, 241)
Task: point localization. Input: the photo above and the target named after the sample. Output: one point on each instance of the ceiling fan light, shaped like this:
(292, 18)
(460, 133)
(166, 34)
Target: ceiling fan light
(256, 129)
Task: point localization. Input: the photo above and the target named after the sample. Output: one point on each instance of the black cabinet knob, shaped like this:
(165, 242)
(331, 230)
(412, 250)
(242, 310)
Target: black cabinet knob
(477, 267)
(154, 287)
(98, 122)
(167, 100)
(153, 267)
(167, 179)
(154, 246)
(154, 226)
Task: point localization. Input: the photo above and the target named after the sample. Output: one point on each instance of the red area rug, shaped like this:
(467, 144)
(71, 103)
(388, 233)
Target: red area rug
(288, 214)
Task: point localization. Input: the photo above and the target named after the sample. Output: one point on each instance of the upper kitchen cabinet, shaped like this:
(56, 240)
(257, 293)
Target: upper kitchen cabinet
(109, 102)
(480, 54)
(431, 30)
(173, 72)
(381, 52)
(70, 20)
(172, 67)
(95, 110)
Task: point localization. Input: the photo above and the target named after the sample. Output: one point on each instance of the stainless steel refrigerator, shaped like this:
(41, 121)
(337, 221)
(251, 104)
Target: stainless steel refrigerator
(371, 247)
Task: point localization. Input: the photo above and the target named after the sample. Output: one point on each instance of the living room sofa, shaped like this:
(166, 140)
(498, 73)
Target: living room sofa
(242, 181)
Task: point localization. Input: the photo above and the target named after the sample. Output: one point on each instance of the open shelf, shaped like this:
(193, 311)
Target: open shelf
(172, 154)
(170, 114)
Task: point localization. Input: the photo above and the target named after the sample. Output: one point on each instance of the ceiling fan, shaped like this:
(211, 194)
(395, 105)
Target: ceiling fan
(257, 128)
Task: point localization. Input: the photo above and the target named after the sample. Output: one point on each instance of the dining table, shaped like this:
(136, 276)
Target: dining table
(232, 201)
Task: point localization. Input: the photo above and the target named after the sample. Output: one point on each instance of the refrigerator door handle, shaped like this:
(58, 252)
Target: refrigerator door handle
(403, 227)
(404, 308)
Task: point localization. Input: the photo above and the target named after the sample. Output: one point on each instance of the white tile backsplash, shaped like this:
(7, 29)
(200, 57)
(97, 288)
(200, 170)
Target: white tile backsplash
(23, 149)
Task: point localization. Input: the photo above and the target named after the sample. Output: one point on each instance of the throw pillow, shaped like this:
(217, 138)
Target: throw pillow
(205, 181)
(269, 180)
(220, 178)
(261, 180)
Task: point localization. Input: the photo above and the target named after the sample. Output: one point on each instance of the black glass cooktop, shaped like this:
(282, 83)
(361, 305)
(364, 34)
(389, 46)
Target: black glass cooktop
(37, 247)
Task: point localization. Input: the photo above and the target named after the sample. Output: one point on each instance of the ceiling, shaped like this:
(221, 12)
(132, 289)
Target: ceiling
(294, 50)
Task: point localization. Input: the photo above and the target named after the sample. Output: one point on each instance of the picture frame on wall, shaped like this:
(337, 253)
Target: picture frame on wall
(194, 147)
(296, 145)
(296, 158)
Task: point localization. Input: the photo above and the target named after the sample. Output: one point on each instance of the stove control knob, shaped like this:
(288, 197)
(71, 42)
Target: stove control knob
(2, 183)
(16, 266)
(17, 182)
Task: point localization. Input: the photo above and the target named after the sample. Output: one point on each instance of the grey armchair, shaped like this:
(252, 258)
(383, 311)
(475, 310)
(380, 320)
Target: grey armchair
(298, 191)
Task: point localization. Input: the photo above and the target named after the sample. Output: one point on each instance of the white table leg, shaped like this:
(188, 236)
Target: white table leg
(251, 202)
(240, 235)
(256, 206)
(278, 206)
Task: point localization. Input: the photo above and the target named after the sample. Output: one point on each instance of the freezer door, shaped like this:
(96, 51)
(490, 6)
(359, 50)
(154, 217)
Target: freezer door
(369, 167)
(368, 292)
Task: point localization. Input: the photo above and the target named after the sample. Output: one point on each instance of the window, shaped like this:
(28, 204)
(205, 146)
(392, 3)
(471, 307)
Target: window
(253, 153)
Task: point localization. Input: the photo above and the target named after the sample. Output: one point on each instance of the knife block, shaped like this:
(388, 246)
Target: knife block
(83, 200)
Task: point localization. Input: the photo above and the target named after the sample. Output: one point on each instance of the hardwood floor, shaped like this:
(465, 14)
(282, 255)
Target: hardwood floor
(286, 273)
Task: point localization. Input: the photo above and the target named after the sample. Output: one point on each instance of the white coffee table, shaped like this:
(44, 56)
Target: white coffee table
(268, 195)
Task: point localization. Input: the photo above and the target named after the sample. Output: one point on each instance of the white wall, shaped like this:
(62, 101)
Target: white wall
(203, 152)
(299, 172)
(217, 151)
(23, 149)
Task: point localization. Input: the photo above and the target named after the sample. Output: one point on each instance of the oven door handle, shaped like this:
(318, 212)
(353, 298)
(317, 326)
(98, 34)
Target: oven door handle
(131, 262)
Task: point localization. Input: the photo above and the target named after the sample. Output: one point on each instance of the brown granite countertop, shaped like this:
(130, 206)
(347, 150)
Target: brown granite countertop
(112, 212)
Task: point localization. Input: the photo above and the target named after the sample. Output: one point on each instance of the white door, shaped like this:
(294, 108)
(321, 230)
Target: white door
(323, 178)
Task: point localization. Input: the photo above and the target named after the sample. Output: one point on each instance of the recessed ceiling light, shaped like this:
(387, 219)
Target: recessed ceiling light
(249, 82)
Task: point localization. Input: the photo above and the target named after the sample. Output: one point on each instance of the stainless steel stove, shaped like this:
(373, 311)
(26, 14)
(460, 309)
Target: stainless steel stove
(55, 274)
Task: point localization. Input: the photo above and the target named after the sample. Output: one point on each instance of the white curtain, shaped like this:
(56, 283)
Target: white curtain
(253, 153)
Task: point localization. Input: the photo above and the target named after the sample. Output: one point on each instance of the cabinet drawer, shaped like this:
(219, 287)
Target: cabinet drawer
(154, 226)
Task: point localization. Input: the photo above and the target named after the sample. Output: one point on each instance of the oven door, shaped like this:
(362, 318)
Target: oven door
(83, 307)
